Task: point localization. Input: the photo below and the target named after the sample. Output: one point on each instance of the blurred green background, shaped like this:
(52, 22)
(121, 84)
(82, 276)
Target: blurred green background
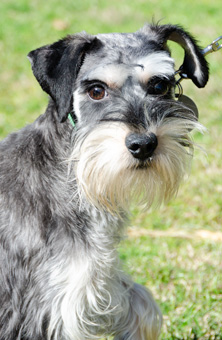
(176, 250)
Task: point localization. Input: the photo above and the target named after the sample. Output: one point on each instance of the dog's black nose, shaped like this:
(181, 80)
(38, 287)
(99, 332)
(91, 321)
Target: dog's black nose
(141, 146)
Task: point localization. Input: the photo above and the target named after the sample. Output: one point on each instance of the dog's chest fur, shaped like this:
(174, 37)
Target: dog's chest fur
(60, 256)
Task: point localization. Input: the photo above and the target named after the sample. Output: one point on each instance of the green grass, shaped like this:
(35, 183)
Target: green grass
(184, 273)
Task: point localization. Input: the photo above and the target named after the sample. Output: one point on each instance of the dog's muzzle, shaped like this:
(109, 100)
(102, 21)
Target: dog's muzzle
(141, 146)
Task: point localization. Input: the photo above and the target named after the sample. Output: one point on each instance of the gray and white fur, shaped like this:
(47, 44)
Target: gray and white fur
(65, 191)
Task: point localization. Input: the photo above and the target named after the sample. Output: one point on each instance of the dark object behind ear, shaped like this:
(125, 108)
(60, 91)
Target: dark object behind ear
(56, 67)
(194, 64)
(189, 103)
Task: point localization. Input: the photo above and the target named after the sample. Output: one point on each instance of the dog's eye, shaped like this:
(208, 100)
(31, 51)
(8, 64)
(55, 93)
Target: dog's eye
(158, 87)
(97, 92)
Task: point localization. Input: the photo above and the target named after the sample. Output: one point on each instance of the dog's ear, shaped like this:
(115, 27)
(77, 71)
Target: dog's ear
(56, 67)
(194, 64)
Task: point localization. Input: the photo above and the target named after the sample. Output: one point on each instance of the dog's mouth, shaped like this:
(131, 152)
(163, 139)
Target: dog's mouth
(115, 165)
(143, 164)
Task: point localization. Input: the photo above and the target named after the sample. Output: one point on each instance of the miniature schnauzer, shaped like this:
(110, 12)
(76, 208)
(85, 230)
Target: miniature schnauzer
(66, 186)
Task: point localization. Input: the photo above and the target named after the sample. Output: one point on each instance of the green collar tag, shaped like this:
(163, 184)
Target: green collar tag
(71, 119)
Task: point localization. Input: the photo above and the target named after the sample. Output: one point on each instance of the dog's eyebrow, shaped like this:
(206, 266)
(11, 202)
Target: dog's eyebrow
(138, 65)
(154, 64)
(114, 75)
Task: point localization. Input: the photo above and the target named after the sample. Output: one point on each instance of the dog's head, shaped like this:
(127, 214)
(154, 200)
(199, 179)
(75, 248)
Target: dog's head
(132, 136)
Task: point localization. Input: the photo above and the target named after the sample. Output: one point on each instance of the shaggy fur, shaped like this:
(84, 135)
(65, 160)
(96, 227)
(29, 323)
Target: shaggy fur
(65, 191)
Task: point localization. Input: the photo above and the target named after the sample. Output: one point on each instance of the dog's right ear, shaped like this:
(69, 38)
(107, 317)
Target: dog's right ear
(194, 64)
(56, 67)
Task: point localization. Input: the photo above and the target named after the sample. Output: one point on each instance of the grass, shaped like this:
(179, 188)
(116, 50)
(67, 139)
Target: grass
(184, 273)
(181, 274)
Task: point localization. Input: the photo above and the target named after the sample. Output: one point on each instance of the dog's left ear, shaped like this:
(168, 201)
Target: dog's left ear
(56, 67)
(194, 64)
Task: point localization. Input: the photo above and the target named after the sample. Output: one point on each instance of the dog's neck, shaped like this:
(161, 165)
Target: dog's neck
(54, 131)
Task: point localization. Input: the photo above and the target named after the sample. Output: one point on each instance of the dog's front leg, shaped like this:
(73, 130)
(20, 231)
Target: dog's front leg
(144, 318)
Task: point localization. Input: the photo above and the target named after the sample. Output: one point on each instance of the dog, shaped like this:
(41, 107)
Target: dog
(113, 133)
